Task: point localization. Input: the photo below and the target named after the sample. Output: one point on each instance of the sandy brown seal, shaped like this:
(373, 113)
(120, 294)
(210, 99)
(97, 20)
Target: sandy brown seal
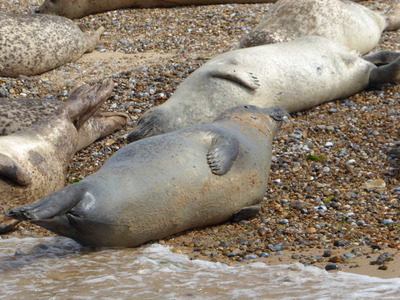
(80, 8)
(17, 114)
(32, 44)
(197, 176)
(296, 75)
(349, 24)
(34, 161)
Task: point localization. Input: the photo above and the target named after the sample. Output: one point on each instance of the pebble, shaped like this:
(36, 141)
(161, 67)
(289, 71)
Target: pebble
(250, 256)
(331, 267)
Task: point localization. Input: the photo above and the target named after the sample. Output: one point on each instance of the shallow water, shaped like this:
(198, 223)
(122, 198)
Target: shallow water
(59, 268)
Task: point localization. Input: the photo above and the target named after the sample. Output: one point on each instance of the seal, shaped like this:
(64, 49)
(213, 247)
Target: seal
(34, 161)
(349, 24)
(80, 8)
(193, 177)
(296, 75)
(17, 114)
(32, 44)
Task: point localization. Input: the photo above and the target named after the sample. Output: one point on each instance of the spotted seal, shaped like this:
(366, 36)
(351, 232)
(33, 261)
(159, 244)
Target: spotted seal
(193, 177)
(17, 114)
(34, 161)
(349, 24)
(32, 44)
(80, 8)
(296, 75)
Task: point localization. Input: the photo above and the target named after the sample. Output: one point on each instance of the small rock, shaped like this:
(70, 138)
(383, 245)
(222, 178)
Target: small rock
(377, 184)
(338, 243)
(387, 222)
(331, 267)
(250, 256)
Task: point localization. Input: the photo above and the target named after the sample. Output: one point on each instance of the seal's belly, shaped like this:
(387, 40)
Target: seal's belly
(176, 191)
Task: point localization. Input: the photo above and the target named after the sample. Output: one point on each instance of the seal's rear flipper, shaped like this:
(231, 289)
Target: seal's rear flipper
(246, 213)
(92, 39)
(101, 124)
(385, 74)
(85, 101)
(382, 57)
(12, 170)
(393, 19)
(56, 204)
(222, 153)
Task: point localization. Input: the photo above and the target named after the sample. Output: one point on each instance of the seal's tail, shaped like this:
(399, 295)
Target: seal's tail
(86, 100)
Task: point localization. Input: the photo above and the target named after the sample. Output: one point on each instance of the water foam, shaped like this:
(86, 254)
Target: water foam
(59, 268)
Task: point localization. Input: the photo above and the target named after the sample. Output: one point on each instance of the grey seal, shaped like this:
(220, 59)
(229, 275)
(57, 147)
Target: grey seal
(296, 75)
(32, 44)
(351, 25)
(34, 161)
(80, 8)
(150, 189)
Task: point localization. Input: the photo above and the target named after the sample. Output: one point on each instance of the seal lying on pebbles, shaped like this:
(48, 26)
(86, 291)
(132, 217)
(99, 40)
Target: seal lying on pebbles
(80, 8)
(32, 44)
(17, 114)
(34, 161)
(350, 25)
(193, 177)
(296, 75)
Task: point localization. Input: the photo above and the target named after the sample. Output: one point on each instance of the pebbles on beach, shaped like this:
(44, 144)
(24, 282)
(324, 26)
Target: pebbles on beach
(335, 173)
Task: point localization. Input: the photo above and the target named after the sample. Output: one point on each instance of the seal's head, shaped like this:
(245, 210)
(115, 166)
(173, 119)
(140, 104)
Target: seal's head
(66, 8)
(153, 122)
(274, 112)
(261, 118)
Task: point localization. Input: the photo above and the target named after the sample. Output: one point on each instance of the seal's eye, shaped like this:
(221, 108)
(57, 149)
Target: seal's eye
(53, 1)
(245, 106)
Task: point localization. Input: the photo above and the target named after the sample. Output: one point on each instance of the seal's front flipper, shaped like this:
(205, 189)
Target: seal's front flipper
(231, 72)
(385, 74)
(246, 213)
(222, 153)
(382, 57)
(12, 170)
(56, 204)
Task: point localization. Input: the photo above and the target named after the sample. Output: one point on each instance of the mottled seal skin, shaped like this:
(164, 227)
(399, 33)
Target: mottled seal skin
(17, 114)
(34, 161)
(79, 8)
(349, 24)
(32, 44)
(193, 177)
(296, 75)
